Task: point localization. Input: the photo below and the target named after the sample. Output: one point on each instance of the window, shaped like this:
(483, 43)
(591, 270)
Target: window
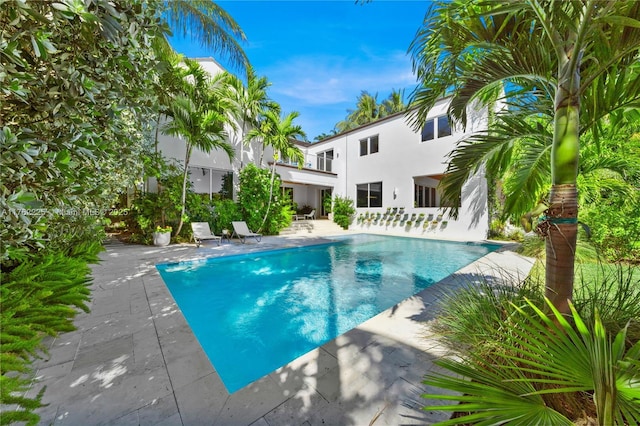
(369, 194)
(425, 196)
(444, 128)
(427, 131)
(369, 145)
(325, 160)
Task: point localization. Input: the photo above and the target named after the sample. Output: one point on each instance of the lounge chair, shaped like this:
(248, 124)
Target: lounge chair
(311, 215)
(242, 231)
(202, 232)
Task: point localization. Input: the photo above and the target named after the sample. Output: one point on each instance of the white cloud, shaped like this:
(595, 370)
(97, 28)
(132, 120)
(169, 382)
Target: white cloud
(323, 87)
(328, 80)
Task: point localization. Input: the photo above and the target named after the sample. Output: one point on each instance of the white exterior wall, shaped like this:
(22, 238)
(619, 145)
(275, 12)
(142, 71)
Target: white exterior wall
(403, 160)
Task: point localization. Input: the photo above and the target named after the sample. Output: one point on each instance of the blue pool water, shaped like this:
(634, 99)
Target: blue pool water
(256, 312)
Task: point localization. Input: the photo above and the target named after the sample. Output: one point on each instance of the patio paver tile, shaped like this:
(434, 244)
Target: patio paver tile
(134, 359)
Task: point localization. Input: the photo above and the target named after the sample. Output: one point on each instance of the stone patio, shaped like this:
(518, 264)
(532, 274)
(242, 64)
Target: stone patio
(133, 359)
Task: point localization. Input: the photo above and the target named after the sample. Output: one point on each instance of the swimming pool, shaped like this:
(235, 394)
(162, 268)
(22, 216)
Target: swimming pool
(256, 312)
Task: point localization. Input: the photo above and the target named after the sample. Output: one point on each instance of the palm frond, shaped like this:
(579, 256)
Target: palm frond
(543, 354)
(209, 24)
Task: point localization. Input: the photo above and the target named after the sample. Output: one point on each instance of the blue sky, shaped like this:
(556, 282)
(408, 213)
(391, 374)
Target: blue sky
(319, 55)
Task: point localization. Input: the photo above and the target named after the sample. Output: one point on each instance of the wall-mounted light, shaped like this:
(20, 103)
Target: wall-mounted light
(395, 193)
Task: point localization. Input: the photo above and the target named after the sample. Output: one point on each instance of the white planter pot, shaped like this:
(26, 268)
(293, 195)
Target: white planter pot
(161, 238)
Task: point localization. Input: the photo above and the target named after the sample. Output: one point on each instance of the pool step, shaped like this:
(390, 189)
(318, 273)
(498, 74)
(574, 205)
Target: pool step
(318, 226)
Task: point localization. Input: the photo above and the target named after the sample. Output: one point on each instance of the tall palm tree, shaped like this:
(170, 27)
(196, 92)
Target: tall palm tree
(247, 101)
(393, 103)
(279, 132)
(570, 63)
(198, 116)
(367, 110)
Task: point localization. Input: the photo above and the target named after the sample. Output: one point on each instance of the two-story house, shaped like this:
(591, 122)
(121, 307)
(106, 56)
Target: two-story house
(387, 165)
(388, 168)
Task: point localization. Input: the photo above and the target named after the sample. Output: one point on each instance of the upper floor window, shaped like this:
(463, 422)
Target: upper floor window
(369, 194)
(325, 160)
(369, 145)
(444, 128)
(429, 129)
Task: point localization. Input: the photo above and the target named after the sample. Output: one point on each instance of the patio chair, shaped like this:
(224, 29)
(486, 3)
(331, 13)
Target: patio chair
(241, 229)
(311, 215)
(202, 232)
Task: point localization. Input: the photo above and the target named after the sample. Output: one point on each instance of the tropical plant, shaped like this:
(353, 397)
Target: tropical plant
(278, 133)
(393, 104)
(40, 297)
(327, 202)
(205, 22)
(160, 208)
(534, 363)
(368, 109)
(225, 212)
(343, 211)
(571, 65)
(610, 192)
(80, 85)
(73, 139)
(247, 102)
(323, 135)
(259, 207)
(198, 116)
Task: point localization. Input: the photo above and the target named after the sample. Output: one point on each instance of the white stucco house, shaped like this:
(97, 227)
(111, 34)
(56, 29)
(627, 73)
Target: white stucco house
(209, 169)
(390, 170)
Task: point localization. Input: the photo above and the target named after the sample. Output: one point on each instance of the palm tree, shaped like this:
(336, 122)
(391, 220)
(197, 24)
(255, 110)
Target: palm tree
(367, 110)
(541, 59)
(324, 135)
(247, 101)
(393, 104)
(279, 133)
(209, 24)
(198, 116)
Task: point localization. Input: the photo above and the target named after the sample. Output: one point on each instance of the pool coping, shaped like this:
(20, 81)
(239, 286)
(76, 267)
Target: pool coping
(134, 360)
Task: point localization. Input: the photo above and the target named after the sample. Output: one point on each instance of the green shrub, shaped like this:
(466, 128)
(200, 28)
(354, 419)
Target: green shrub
(615, 228)
(614, 290)
(225, 212)
(496, 229)
(481, 322)
(261, 202)
(40, 297)
(151, 209)
(542, 371)
(534, 246)
(343, 211)
(470, 317)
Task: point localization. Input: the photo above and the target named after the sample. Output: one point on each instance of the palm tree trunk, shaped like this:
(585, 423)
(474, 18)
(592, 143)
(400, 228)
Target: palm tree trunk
(183, 200)
(266, 213)
(562, 216)
(561, 245)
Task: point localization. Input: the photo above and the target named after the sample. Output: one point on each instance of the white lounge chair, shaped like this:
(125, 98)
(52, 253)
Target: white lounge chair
(311, 215)
(202, 232)
(241, 229)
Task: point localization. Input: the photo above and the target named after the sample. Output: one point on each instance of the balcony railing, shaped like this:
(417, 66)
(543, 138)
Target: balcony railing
(312, 161)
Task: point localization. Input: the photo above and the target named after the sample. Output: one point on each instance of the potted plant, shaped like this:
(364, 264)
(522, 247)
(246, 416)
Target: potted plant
(162, 236)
